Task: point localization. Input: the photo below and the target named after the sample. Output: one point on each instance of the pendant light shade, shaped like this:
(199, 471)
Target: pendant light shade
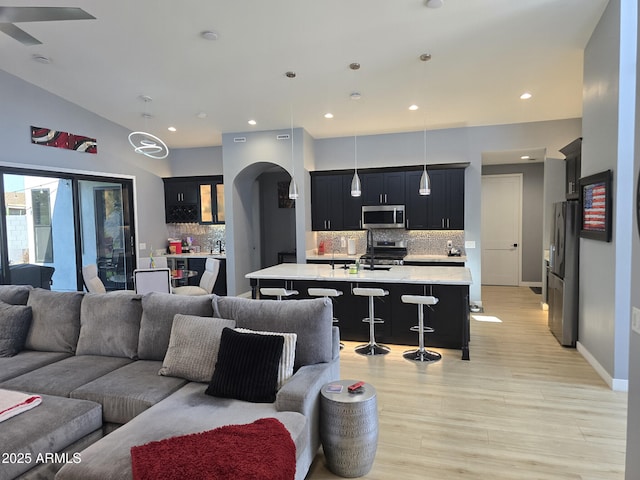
(425, 182)
(356, 188)
(293, 189)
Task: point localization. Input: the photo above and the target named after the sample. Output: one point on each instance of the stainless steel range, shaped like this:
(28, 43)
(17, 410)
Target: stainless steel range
(385, 253)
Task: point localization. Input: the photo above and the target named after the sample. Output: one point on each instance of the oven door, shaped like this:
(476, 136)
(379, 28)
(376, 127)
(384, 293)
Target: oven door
(383, 216)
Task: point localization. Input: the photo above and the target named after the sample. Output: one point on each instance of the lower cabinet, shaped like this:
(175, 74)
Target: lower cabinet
(449, 317)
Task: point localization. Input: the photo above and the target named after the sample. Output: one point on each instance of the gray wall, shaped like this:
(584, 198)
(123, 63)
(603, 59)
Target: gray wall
(532, 214)
(186, 162)
(277, 225)
(23, 105)
(608, 133)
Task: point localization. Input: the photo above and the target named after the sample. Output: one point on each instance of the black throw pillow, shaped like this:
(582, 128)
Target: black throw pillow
(247, 367)
(14, 327)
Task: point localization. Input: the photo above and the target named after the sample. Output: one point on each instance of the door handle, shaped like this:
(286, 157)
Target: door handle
(515, 245)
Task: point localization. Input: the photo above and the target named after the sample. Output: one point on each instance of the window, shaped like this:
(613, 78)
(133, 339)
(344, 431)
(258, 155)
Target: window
(41, 204)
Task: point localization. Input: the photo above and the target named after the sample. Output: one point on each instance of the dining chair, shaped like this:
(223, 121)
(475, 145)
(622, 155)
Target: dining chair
(207, 281)
(148, 280)
(92, 282)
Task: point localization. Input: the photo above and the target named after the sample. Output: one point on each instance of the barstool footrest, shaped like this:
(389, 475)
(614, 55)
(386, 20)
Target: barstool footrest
(375, 320)
(372, 349)
(424, 329)
(423, 356)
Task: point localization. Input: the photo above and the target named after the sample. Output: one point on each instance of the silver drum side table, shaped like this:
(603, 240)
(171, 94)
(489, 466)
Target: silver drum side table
(349, 428)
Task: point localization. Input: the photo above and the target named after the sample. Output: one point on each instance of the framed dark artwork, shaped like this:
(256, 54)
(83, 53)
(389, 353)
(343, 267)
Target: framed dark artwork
(283, 196)
(596, 206)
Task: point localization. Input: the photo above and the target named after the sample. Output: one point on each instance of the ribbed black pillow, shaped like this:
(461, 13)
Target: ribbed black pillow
(247, 367)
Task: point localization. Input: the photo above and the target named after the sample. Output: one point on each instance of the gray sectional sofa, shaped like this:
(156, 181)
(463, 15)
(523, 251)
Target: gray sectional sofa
(95, 360)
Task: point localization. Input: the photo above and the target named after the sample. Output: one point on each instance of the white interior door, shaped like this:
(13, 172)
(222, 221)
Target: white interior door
(501, 229)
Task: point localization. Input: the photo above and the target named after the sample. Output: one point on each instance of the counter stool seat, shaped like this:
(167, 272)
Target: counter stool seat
(421, 354)
(371, 348)
(328, 293)
(277, 292)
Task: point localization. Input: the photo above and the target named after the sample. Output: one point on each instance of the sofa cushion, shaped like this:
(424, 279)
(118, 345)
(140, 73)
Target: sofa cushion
(186, 411)
(110, 324)
(15, 294)
(63, 377)
(311, 320)
(48, 428)
(129, 390)
(55, 320)
(193, 347)
(285, 367)
(158, 310)
(14, 326)
(247, 367)
(27, 361)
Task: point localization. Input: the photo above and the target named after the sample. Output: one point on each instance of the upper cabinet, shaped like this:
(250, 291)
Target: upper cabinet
(383, 188)
(573, 161)
(194, 199)
(333, 207)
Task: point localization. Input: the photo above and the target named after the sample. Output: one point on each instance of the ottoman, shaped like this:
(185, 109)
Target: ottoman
(31, 439)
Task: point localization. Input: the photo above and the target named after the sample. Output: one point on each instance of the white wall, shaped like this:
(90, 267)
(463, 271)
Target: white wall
(23, 105)
(608, 135)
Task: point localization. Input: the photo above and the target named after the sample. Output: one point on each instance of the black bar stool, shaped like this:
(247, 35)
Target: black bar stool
(421, 354)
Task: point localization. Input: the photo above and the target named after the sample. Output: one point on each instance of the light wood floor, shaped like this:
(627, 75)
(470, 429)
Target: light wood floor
(523, 408)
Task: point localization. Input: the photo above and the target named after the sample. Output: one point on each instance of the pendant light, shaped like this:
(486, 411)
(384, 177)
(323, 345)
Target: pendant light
(146, 143)
(356, 187)
(293, 188)
(425, 182)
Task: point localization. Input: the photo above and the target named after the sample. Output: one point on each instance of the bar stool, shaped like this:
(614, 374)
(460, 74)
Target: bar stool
(326, 293)
(371, 348)
(421, 354)
(277, 292)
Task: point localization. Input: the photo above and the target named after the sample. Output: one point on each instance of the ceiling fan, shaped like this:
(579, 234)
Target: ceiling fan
(11, 15)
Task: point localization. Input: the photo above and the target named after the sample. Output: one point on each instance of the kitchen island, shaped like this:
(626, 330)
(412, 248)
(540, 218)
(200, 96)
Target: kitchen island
(449, 318)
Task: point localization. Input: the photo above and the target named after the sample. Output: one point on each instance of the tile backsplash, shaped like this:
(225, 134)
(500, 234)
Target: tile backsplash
(205, 236)
(419, 242)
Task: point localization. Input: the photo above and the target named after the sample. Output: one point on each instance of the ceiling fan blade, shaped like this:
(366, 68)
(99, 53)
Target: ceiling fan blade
(19, 34)
(42, 14)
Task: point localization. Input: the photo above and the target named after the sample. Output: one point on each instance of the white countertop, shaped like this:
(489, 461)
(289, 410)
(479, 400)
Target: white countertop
(338, 257)
(196, 255)
(396, 274)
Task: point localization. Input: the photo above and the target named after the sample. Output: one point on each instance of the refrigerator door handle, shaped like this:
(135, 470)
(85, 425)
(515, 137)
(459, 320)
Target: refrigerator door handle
(552, 256)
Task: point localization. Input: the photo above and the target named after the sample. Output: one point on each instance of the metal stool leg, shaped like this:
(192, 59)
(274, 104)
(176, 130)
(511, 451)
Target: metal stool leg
(421, 354)
(372, 348)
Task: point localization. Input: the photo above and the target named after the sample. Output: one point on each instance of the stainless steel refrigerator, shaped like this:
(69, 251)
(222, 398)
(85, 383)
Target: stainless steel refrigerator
(564, 264)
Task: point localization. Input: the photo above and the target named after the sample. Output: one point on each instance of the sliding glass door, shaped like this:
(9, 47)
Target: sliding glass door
(52, 225)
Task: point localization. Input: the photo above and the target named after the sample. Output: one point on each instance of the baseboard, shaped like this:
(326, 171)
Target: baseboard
(531, 284)
(615, 384)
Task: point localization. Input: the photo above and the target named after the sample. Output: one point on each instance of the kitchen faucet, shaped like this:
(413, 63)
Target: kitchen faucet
(370, 247)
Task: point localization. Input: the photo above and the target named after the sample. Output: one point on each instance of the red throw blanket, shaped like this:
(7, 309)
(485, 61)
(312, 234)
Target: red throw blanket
(262, 450)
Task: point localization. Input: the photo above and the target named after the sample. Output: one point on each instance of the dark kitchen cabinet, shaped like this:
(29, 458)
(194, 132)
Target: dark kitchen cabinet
(352, 206)
(380, 188)
(416, 205)
(573, 166)
(327, 194)
(194, 199)
(445, 207)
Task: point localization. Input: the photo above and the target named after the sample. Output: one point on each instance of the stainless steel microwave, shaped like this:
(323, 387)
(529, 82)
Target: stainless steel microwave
(383, 216)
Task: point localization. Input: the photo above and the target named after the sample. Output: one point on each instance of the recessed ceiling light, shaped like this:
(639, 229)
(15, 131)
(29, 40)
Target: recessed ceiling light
(172, 129)
(413, 107)
(354, 66)
(328, 115)
(201, 115)
(209, 35)
(525, 96)
(525, 157)
(41, 59)
(252, 122)
(355, 96)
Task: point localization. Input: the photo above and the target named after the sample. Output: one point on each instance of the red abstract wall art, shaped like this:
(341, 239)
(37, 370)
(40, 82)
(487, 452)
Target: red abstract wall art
(69, 141)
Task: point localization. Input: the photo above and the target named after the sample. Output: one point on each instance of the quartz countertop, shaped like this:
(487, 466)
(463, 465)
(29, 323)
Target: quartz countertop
(338, 257)
(396, 274)
(435, 258)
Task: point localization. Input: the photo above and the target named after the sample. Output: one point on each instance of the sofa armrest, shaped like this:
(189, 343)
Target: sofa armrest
(301, 393)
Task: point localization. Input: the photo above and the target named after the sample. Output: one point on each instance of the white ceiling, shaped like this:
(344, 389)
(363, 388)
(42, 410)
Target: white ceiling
(485, 54)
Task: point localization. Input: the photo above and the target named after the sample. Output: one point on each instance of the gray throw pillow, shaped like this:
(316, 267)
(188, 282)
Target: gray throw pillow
(55, 320)
(15, 294)
(193, 347)
(110, 324)
(310, 320)
(158, 310)
(14, 325)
